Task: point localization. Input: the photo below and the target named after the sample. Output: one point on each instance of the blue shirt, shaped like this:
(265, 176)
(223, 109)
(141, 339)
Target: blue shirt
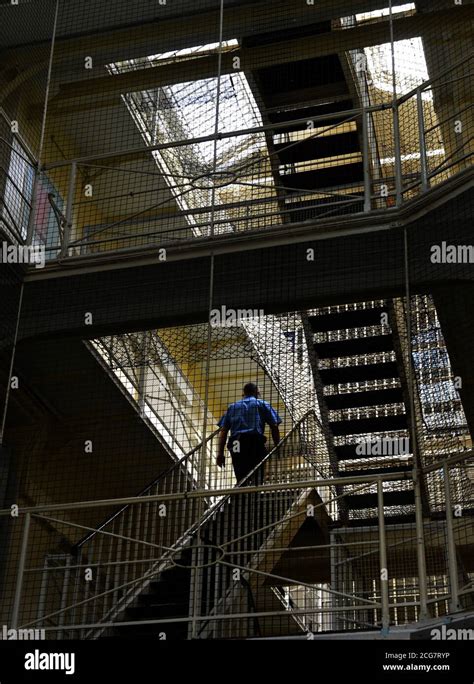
(249, 415)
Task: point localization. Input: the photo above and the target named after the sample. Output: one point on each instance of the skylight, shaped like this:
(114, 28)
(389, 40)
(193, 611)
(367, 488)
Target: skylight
(188, 111)
(410, 63)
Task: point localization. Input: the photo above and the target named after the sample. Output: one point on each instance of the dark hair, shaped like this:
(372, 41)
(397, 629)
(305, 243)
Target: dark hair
(250, 389)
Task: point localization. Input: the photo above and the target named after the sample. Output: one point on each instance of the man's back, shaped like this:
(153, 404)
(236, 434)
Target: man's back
(245, 420)
(249, 415)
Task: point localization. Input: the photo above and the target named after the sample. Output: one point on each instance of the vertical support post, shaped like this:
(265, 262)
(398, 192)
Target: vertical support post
(366, 161)
(21, 572)
(420, 547)
(30, 231)
(417, 472)
(422, 142)
(452, 561)
(196, 586)
(396, 117)
(64, 596)
(69, 209)
(142, 373)
(383, 559)
(43, 589)
(397, 155)
(31, 222)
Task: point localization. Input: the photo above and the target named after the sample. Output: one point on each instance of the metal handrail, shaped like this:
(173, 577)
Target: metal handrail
(140, 582)
(457, 457)
(263, 128)
(31, 160)
(434, 79)
(218, 504)
(186, 537)
(348, 113)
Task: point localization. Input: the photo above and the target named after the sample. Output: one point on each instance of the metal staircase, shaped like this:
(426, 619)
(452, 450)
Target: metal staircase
(356, 363)
(317, 164)
(153, 567)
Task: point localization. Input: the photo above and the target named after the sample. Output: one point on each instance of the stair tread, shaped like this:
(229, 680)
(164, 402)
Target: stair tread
(372, 371)
(398, 519)
(327, 177)
(343, 320)
(397, 498)
(355, 347)
(378, 471)
(369, 425)
(318, 147)
(368, 398)
(308, 113)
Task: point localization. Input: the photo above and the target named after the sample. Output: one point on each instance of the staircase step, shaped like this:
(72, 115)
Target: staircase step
(405, 497)
(378, 471)
(318, 147)
(343, 320)
(359, 399)
(302, 211)
(402, 519)
(326, 177)
(322, 70)
(369, 425)
(367, 372)
(307, 113)
(355, 347)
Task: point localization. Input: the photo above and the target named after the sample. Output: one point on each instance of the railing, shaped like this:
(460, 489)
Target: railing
(30, 205)
(154, 198)
(134, 537)
(235, 550)
(136, 542)
(15, 200)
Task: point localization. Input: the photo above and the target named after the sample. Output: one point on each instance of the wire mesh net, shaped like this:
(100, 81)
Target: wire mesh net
(221, 193)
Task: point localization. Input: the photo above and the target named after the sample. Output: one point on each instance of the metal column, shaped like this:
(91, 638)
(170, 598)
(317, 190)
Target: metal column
(452, 561)
(383, 559)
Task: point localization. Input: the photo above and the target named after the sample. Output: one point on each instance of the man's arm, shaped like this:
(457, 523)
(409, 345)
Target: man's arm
(273, 420)
(221, 446)
(275, 433)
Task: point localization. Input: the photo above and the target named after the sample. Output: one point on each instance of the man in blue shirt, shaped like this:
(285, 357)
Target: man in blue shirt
(245, 420)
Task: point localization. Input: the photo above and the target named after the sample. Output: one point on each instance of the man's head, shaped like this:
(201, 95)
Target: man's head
(251, 390)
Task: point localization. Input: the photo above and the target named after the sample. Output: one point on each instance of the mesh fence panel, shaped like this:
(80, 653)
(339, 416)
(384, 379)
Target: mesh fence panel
(223, 193)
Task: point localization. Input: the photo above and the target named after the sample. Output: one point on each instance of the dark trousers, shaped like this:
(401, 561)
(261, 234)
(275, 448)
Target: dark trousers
(247, 451)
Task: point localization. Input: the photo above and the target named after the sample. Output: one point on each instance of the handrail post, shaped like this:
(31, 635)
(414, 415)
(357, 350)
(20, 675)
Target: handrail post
(420, 547)
(69, 209)
(21, 572)
(30, 231)
(383, 559)
(397, 155)
(366, 161)
(422, 142)
(452, 561)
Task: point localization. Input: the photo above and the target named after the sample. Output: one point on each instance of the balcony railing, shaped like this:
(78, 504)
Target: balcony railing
(144, 202)
(236, 561)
